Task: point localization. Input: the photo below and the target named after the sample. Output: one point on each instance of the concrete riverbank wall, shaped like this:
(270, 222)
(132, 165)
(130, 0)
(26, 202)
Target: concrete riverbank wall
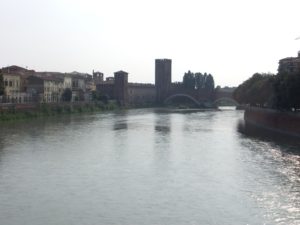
(287, 123)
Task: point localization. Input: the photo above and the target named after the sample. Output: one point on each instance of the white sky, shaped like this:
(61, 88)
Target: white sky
(231, 39)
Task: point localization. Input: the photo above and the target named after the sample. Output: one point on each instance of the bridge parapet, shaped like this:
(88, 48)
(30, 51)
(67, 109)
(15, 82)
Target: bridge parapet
(222, 94)
(199, 95)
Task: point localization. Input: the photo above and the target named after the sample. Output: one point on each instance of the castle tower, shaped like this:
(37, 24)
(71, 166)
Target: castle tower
(163, 78)
(121, 87)
(97, 77)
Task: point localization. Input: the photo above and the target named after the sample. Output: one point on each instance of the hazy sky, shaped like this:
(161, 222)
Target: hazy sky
(231, 39)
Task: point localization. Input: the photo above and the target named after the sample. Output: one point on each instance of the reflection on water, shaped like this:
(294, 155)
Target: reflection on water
(120, 121)
(146, 166)
(120, 125)
(279, 155)
(162, 124)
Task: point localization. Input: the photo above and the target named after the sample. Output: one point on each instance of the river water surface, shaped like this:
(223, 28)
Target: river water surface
(145, 167)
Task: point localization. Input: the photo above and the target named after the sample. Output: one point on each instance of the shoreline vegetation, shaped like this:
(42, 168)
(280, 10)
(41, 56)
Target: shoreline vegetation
(272, 101)
(17, 112)
(14, 112)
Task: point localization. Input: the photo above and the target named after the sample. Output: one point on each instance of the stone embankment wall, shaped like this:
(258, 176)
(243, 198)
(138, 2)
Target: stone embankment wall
(287, 123)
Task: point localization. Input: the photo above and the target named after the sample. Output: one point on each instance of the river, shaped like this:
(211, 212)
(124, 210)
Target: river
(146, 167)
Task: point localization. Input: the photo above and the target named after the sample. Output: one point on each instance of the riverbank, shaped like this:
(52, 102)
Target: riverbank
(14, 112)
(285, 123)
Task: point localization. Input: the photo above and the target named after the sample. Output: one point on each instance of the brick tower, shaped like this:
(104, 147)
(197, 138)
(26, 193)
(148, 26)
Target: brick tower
(121, 87)
(163, 78)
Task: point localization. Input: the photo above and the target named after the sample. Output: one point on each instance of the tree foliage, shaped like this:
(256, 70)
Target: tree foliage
(287, 91)
(189, 80)
(209, 83)
(281, 91)
(198, 81)
(97, 96)
(257, 90)
(2, 87)
(80, 95)
(67, 95)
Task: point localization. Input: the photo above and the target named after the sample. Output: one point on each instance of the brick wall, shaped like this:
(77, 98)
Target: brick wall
(282, 122)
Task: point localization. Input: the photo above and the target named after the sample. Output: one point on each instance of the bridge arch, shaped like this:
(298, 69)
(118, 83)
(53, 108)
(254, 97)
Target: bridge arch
(216, 101)
(168, 99)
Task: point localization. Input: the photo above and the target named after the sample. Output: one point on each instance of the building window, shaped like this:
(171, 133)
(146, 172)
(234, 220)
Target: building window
(6, 83)
(10, 83)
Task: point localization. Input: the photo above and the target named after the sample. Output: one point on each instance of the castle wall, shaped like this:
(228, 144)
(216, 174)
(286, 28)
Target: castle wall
(106, 89)
(141, 94)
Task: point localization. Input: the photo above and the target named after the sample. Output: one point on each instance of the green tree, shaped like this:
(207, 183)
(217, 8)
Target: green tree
(80, 95)
(199, 81)
(2, 87)
(97, 96)
(287, 91)
(189, 80)
(209, 83)
(257, 90)
(67, 95)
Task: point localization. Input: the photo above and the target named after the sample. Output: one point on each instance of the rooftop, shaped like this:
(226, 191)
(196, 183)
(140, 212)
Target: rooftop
(121, 72)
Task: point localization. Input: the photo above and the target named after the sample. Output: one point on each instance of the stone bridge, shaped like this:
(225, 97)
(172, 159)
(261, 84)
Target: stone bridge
(166, 91)
(200, 97)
